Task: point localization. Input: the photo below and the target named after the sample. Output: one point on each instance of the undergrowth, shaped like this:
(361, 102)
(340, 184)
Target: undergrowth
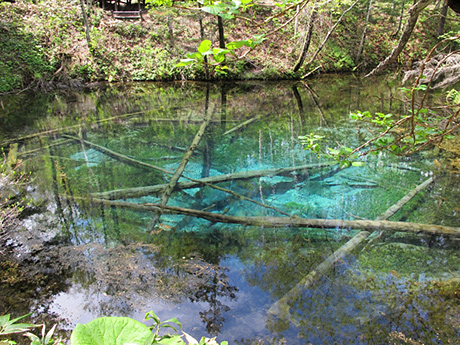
(42, 43)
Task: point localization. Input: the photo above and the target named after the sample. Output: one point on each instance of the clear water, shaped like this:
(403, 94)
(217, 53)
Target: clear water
(221, 279)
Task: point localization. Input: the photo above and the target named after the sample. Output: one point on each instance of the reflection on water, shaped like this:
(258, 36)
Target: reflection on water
(124, 143)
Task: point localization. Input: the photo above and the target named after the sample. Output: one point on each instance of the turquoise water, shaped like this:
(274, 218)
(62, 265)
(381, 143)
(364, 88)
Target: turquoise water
(222, 279)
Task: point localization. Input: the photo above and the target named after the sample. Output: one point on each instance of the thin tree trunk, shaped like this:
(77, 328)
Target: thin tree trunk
(206, 68)
(85, 19)
(281, 307)
(363, 37)
(330, 32)
(414, 13)
(220, 26)
(306, 43)
(401, 15)
(442, 20)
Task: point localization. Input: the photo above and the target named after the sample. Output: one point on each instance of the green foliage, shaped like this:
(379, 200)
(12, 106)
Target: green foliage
(343, 155)
(218, 54)
(158, 325)
(23, 60)
(124, 330)
(45, 339)
(113, 331)
(227, 10)
(453, 97)
(311, 142)
(341, 58)
(130, 30)
(8, 326)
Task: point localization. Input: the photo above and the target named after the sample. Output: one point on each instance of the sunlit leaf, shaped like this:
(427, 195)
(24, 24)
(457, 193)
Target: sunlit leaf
(111, 331)
(204, 46)
(358, 164)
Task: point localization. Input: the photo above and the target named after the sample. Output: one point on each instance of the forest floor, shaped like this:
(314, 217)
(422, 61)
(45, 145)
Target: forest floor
(44, 44)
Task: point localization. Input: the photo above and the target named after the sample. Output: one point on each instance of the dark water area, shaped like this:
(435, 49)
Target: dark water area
(223, 280)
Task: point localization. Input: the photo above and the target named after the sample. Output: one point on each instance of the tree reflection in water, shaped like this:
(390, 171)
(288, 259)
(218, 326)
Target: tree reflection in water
(122, 279)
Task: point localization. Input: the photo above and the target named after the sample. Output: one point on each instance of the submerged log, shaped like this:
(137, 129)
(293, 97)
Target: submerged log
(136, 163)
(148, 190)
(62, 129)
(177, 174)
(283, 222)
(12, 158)
(241, 125)
(281, 307)
(56, 143)
(118, 156)
(404, 200)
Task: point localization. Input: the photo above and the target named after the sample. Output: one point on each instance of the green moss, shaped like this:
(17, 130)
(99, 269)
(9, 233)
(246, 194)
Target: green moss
(22, 60)
(409, 260)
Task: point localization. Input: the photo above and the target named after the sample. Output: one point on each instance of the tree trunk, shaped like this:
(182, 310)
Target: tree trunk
(363, 37)
(306, 43)
(414, 13)
(220, 27)
(442, 20)
(85, 20)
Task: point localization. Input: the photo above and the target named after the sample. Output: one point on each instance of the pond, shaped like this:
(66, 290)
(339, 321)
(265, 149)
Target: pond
(102, 158)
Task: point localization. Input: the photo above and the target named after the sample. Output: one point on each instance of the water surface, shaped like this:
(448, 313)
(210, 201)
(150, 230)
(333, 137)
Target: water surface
(222, 279)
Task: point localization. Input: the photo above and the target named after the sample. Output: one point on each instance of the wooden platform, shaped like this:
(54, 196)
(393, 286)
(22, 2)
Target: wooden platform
(127, 15)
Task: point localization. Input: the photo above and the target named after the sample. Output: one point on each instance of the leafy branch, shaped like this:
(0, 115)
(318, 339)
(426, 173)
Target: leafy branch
(218, 54)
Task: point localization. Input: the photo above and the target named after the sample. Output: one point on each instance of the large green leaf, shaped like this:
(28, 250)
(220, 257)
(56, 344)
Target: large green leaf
(111, 331)
(204, 46)
(214, 9)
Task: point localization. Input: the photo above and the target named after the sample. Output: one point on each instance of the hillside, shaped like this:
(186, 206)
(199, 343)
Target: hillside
(43, 44)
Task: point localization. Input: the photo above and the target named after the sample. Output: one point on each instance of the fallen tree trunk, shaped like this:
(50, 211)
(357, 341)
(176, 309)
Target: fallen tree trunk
(404, 200)
(136, 163)
(241, 125)
(53, 131)
(281, 307)
(147, 190)
(118, 156)
(56, 143)
(180, 169)
(283, 222)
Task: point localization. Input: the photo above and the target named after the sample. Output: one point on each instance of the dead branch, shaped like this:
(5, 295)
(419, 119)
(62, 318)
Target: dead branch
(177, 174)
(283, 222)
(281, 307)
(148, 190)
